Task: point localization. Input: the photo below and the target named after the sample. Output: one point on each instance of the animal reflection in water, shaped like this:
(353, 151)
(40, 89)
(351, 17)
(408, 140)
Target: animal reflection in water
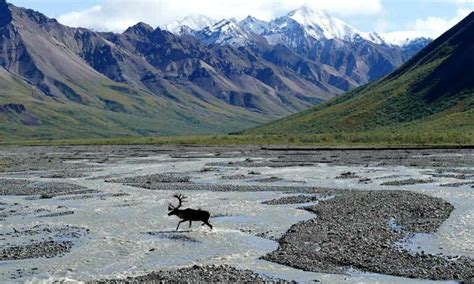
(188, 214)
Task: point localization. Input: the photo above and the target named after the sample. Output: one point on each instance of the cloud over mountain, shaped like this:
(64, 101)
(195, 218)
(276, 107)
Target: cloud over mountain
(117, 15)
(431, 27)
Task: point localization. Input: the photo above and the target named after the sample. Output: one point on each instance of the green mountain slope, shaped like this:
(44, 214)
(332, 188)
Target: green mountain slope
(113, 110)
(434, 91)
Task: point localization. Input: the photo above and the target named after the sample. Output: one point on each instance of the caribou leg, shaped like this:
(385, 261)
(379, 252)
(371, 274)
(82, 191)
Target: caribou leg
(207, 223)
(180, 224)
(190, 223)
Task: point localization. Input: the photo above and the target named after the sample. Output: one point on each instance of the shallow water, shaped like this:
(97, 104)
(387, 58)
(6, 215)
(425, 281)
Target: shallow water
(132, 234)
(455, 236)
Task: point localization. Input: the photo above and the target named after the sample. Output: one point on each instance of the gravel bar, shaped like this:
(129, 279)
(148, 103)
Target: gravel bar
(46, 249)
(293, 200)
(45, 189)
(197, 274)
(352, 231)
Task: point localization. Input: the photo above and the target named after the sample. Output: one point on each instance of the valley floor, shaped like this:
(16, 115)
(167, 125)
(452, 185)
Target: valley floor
(92, 213)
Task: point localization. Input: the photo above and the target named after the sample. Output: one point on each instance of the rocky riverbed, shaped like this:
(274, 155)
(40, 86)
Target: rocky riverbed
(99, 212)
(359, 229)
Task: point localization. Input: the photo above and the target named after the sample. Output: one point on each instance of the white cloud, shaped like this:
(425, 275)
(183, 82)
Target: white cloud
(431, 27)
(117, 15)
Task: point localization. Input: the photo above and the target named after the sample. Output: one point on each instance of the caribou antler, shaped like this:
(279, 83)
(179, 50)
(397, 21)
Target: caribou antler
(181, 199)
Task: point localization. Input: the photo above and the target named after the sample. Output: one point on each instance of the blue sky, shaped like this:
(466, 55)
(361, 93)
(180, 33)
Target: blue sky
(400, 13)
(422, 17)
(55, 8)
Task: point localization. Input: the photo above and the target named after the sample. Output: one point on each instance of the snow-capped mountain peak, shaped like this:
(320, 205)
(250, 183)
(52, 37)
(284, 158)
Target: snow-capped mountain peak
(254, 25)
(303, 25)
(227, 32)
(190, 24)
(319, 24)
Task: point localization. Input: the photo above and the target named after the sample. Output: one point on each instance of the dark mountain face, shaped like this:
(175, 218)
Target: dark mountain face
(456, 49)
(359, 60)
(362, 61)
(433, 91)
(15, 56)
(220, 71)
(5, 14)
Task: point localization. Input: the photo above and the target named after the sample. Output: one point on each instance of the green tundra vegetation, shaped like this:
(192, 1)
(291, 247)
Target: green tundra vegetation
(341, 139)
(3, 165)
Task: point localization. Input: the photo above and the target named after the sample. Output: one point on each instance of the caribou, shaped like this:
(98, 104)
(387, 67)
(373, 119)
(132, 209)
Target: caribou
(188, 214)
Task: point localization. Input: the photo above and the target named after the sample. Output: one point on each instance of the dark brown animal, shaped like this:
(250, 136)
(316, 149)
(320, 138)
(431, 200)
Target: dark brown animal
(188, 214)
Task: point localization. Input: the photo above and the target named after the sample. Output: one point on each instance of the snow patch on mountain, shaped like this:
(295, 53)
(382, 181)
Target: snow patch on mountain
(373, 37)
(320, 25)
(189, 24)
(254, 25)
(226, 32)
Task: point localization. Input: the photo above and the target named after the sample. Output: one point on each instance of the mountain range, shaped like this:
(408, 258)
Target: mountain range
(304, 22)
(63, 82)
(432, 92)
(314, 35)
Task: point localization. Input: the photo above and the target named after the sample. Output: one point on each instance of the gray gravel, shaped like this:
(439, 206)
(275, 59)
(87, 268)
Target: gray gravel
(156, 178)
(197, 274)
(293, 200)
(40, 241)
(101, 196)
(65, 174)
(259, 164)
(231, 187)
(348, 175)
(458, 184)
(235, 177)
(46, 249)
(270, 180)
(55, 158)
(176, 236)
(44, 189)
(15, 209)
(352, 230)
(57, 214)
(46, 231)
(434, 158)
(407, 182)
